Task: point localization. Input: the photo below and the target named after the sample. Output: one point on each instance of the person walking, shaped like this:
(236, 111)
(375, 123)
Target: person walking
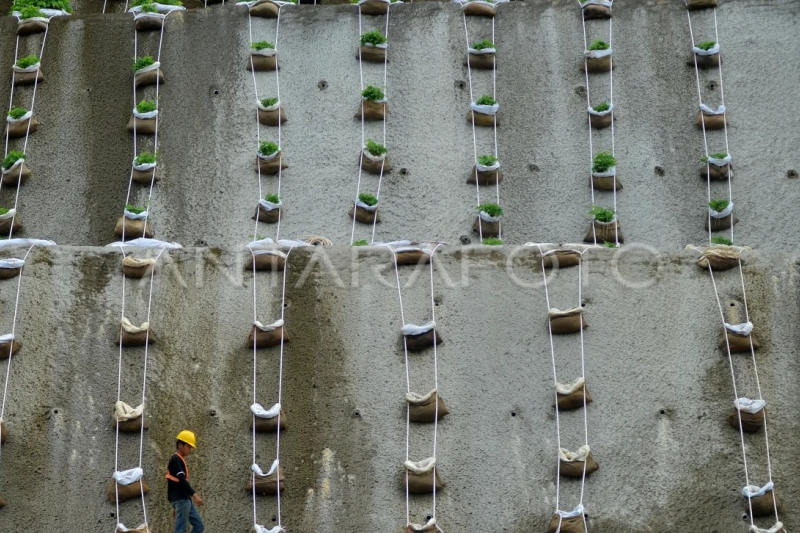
(180, 493)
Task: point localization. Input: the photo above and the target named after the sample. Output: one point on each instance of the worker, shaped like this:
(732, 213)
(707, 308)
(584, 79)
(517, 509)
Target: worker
(180, 493)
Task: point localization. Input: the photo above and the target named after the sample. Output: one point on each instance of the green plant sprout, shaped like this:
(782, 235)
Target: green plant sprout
(262, 45)
(487, 160)
(368, 199)
(146, 106)
(491, 241)
(269, 102)
(135, 209)
(719, 239)
(486, 100)
(362, 242)
(141, 62)
(493, 210)
(372, 37)
(481, 45)
(602, 107)
(17, 112)
(12, 157)
(597, 44)
(601, 214)
(27, 61)
(718, 204)
(372, 93)
(706, 45)
(145, 158)
(266, 148)
(603, 161)
(375, 149)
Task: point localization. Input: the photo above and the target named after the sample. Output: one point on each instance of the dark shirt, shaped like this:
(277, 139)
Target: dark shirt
(180, 490)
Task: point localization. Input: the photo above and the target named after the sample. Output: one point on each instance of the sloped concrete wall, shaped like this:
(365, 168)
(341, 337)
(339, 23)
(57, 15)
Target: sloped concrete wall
(662, 390)
(81, 155)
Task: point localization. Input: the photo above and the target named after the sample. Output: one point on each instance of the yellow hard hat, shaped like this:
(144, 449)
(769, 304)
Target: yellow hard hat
(187, 437)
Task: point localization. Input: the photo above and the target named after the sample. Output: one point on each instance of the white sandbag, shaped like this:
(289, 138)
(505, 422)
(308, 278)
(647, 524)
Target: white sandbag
(721, 214)
(597, 54)
(143, 242)
(122, 529)
(10, 214)
(611, 172)
(485, 109)
(8, 337)
(486, 217)
(7, 243)
(13, 168)
(269, 327)
(263, 529)
(259, 411)
(420, 467)
(124, 412)
(424, 527)
(578, 511)
(155, 66)
(260, 473)
(12, 263)
(777, 528)
(126, 477)
(411, 329)
(32, 68)
(568, 457)
(269, 206)
(135, 216)
(719, 162)
(162, 8)
(601, 113)
(556, 313)
(144, 116)
(747, 405)
(489, 168)
(268, 108)
(571, 388)
(130, 328)
(710, 52)
(740, 329)
(417, 399)
(708, 111)
(365, 207)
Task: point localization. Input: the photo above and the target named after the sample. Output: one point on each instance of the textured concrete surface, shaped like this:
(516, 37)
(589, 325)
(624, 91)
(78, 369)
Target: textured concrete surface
(81, 153)
(648, 350)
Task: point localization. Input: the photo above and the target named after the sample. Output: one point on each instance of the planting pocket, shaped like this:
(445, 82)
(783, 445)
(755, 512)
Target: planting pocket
(128, 419)
(485, 175)
(366, 214)
(561, 259)
(133, 225)
(763, 500)
(569, 321)
(719, 257)
(720, 220)
(606, 181)
(487, 225)
(420, 477)
(267, 420)
(373, 53)
(267, 484)
(428, 526)
(573, 395)
(271, 115)
(604, 232)
(137, 268)
(149, 75)
(143, 123)
(419, 338)
(597, 9)
(265, 60)
(481, 59)
(596, 61)
(427, 408)
(267, 336)
(11, 267)
(373, 109)
(148, 21)
(141, 529)
(9, 222)
(130, 335)
(270, 164)
(705, 58)
(269, 260)
(28, 75)
(738, 337)
(717, 169)
(146, 173)
(479, 8)
(412, 255)
(700, 4)
(19, 171)
(483, 115)
(374, 7)
(126, 485)
(601, 119)
(268, 212)
(573, 464)
(711, 119)
(751, 412)
(375, 164)
(9, 346)
(568, 521)
(265, 8)
(20, 127)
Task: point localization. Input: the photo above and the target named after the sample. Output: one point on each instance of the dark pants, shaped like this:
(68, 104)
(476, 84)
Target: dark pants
(185, 514)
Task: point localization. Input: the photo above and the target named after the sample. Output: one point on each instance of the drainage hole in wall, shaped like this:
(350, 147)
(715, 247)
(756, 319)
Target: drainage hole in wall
(662, 411)
(533, 168)
(580, 90)
(465, 239)
(659, 170)
(357, 413)
(428, 517)
(403, 171)
(513, 413)
(322, 85)
(744, 516)
(216, 92)
(55, 411)
(792, 174)
(733, 305)
(213, 412)
(712, 85)
(274, 519)
(460, 84)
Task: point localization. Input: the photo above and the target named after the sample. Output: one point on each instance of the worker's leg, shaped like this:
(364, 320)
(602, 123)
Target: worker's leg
(182, 511)
(195, 519)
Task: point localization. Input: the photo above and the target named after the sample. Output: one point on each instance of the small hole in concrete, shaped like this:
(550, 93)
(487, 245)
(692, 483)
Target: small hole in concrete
(580, 90)
(213, 412)
(465, 239)
(792, 174)
(322, 85)
(583, 305)
(55, 411)
(216, 92)
(744, 516)
(733, 305)
(403, 171)
(274, 519)
(513, 413)
(357, 413)
(712, 85)
(533, 168)
(659, 170)
(111, 515)
(428, 516)
(662, 411)
(460, 84)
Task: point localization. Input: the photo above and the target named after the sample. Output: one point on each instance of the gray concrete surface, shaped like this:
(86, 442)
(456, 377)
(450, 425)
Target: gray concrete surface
(81, 154)
(647, 350)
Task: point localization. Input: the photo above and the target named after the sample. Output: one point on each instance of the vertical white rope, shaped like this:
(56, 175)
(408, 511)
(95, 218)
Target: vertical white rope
(589, 104)
(435, 377)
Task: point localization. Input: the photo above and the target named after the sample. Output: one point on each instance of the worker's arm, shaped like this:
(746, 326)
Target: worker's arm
(184, 483)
